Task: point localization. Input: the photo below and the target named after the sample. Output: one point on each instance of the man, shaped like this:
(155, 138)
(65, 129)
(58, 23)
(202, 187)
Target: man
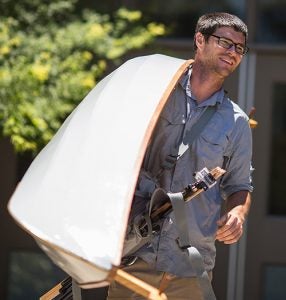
(220, 44)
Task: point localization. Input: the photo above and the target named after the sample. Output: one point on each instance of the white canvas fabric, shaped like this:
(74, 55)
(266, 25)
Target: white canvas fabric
(76, 196)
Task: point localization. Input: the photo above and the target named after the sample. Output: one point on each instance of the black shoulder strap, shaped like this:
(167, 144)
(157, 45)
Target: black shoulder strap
(189, 138)
(196, 129)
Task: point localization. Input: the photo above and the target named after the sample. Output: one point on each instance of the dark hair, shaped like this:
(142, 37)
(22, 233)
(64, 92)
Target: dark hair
(208, 24)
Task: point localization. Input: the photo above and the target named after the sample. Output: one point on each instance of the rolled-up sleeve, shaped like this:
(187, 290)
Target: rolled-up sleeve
(239, 165)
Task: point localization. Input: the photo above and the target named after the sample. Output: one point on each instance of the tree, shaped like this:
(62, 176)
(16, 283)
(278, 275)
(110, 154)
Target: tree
(51, 56)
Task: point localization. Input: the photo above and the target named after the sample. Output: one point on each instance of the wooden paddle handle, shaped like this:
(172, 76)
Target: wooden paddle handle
(138, 285)
(51, 294)
(253, 123)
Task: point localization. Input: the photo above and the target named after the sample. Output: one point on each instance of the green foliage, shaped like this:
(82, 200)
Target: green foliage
(50, 58)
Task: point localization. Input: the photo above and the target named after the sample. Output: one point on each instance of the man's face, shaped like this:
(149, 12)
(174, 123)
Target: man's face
(214, 53)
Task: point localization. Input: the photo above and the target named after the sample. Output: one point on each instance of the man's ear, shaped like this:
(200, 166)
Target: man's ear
(200, 40)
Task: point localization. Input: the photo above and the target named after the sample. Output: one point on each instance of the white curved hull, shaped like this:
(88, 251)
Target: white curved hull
(76, 196)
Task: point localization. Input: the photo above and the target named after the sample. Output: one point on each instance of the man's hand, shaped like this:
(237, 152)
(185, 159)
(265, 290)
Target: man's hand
(231, 224)
(230, 227)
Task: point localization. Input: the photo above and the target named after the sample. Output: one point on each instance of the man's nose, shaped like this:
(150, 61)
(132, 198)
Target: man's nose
(232, 48)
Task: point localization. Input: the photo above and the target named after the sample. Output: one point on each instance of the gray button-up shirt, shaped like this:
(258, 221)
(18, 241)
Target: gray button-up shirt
(226, 141)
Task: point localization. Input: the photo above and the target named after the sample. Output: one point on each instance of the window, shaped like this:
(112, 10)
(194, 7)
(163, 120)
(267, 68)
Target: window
(31, 274)
(271, 18)
(277, 191)
(274, 287)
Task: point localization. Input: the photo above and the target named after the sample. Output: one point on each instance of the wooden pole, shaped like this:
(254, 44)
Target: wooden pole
(137, 285)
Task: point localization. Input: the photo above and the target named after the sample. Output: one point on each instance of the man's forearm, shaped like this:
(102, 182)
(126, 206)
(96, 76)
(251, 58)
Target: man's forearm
(230, 225)
(239, 201)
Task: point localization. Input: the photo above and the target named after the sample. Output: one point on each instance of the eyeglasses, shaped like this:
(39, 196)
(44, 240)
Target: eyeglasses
(227, 44)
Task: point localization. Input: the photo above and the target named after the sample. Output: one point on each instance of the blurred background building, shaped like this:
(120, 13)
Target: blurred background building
(255, 269)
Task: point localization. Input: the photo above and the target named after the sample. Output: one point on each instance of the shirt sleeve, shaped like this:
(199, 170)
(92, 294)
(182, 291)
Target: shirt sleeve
(238, 166)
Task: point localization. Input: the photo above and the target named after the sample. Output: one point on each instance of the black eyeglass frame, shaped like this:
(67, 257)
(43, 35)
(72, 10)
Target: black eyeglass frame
(246, 49)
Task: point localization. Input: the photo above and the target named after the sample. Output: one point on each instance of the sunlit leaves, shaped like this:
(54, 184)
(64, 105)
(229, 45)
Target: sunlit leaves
(47, 67)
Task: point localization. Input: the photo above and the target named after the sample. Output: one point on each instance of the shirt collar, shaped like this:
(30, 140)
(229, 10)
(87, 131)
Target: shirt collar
(215, 98)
